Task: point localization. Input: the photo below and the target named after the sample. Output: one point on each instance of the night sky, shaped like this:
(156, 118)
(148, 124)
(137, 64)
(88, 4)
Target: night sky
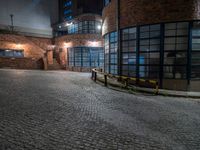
(29, 13)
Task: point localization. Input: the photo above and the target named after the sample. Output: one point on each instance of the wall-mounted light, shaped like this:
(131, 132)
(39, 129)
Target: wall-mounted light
(67, 44)
(18, 45)
(59, 26)
(51, 47)
(93, 44)
(99, 27)
(68, 24)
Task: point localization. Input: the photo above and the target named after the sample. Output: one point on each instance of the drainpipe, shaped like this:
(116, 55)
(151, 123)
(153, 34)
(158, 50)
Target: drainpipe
(119, 36)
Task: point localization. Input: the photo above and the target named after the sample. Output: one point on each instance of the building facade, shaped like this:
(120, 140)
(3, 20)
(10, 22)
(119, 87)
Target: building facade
(77, 38)
(79, 43)
(26, 32)
(69, 9)
(35, 39)
(156, 40)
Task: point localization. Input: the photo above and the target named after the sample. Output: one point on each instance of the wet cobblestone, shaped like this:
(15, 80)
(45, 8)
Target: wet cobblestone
(66, 110)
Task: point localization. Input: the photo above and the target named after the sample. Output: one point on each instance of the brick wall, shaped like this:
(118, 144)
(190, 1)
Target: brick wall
(139, 12)
(109, 17)
(34, 50)
(21, 63)
(75, 40)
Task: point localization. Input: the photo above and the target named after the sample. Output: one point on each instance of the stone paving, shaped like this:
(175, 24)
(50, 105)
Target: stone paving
(65, 110)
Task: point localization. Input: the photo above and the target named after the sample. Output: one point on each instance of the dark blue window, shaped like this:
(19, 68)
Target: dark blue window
(12, 53)
(68, 11)
(68, 17)
(90, 57)
(68, 3)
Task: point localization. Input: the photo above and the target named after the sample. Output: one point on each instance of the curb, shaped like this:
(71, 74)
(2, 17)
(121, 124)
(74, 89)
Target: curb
(134, 89)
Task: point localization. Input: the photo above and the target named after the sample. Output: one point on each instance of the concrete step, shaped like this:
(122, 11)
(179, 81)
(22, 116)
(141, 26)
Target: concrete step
(55, 66)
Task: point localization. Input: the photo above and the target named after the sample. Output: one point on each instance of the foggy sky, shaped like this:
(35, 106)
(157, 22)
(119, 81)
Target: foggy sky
(36, 14)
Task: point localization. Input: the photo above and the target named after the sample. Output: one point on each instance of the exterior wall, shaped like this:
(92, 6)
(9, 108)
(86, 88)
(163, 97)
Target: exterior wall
(83, 17)
(21, 63)
(140, 12)
(195, 85)
(144, 12)
(173, 84)
(50, 57)
(79, 7)
(109, 17)
(76, 40)
(34, 50)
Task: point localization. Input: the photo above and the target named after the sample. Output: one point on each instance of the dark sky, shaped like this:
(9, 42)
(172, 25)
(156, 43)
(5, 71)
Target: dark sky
(92, 5)
(29, 13)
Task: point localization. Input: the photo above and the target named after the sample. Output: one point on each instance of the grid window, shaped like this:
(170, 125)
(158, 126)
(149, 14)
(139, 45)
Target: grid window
(11, 53)
(113, 53)
(149, 51)
(195, 55)
(129, 52)
(82, 27)
(175, 50)
(91, 27)
(71, 57)
(85, 57)
(78, 57)
(107, 53)
(85, 27)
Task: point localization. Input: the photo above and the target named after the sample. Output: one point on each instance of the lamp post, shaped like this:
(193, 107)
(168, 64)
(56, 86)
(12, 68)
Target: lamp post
(12, 26)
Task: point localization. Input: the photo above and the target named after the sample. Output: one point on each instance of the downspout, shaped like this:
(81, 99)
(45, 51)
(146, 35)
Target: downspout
(119, 36)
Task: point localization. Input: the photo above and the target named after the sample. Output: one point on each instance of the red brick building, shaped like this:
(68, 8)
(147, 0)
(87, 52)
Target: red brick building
(156, 40)
(78, 43)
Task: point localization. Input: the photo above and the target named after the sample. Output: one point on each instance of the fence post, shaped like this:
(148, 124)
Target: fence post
(157, 88)
(126, 82)
(92, 74)
(95, 76)
(106, 83)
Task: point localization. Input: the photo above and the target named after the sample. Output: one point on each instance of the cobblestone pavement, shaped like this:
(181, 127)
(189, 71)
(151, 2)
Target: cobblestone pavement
(66, 110)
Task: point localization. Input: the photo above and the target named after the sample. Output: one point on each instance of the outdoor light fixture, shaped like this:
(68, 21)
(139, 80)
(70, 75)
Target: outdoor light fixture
(93, 43)
(51, 47)
(59, 27)
(99, 27)
(18, 45)
(68, 24)
(68, 44)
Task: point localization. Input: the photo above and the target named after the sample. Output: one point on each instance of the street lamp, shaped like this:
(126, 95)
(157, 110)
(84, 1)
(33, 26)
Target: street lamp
(12, 26)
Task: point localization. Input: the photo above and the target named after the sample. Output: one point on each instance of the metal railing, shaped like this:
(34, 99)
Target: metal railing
(127, 80)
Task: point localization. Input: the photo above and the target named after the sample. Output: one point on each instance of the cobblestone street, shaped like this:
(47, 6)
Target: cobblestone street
(66, 110)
